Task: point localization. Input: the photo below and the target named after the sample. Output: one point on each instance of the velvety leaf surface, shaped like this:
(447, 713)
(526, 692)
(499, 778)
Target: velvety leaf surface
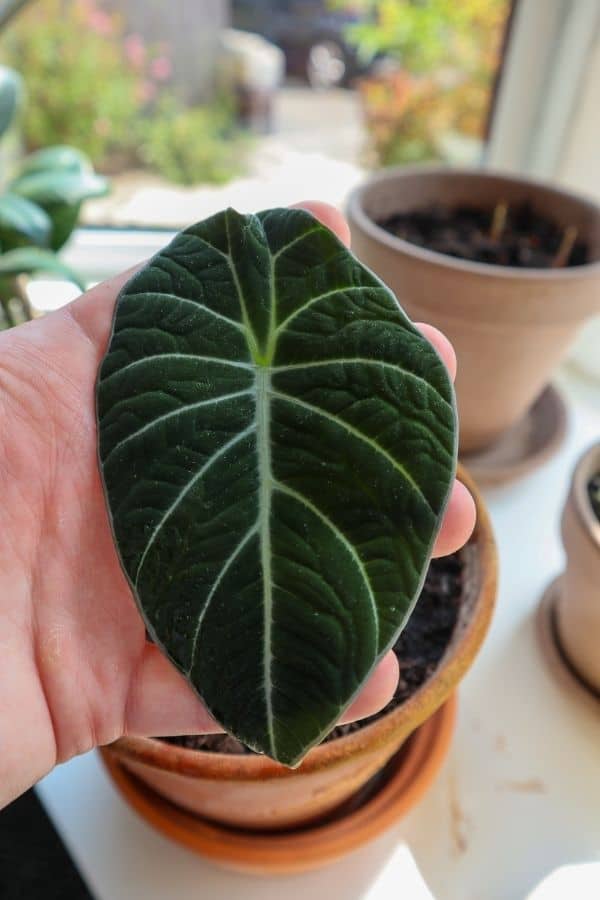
(277, 444)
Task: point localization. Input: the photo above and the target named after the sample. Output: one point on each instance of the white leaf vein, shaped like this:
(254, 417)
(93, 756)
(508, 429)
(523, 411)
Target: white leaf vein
(357, 433)
(285, 489)
(173, 412)
(155, 357)
(199, 307)
(185, 490)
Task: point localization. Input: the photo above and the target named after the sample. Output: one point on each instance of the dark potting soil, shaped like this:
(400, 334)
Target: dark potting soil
(419, 649)
(504, 236)
(594, 494)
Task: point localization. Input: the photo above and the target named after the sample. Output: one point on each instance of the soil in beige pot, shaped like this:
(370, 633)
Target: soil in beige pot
(508, 268)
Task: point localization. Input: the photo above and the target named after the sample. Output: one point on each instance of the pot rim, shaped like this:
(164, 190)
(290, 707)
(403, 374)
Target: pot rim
(587, 466)
(461, 652)
(510, 273)
(313, 844)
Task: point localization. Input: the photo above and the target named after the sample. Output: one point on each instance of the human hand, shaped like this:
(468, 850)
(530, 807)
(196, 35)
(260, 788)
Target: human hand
(76, 669)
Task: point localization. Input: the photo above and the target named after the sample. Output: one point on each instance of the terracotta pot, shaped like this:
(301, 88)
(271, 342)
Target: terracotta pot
(578, 604)
(510, 326)
(254, 792)
(385, 799)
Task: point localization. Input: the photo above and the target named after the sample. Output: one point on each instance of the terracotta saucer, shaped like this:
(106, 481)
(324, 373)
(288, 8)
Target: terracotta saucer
(555, 656)
(526, 445)
(384, 800)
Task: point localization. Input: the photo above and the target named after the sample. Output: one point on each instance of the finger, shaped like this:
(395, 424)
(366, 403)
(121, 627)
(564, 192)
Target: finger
(93, 310)
(329, 216)
(441, 344)
(377, 692)
(162, 703)
(458, 523)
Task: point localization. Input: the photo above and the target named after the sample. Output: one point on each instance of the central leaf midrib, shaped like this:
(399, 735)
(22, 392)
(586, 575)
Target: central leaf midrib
(262, 360)
(265, 481)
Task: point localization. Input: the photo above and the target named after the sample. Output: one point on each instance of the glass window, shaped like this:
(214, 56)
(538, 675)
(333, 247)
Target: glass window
(191, 106)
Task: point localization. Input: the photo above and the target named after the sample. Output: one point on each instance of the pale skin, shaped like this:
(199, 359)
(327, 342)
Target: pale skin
(76, 670)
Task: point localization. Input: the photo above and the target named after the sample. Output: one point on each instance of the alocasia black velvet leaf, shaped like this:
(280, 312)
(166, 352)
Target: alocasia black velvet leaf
(277, 445)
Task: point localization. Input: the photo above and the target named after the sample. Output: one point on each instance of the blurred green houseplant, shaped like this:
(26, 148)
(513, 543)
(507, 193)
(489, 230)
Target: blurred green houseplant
(39, 208)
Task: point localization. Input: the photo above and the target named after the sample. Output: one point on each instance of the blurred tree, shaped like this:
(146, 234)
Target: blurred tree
(94, 83)
(445, 56)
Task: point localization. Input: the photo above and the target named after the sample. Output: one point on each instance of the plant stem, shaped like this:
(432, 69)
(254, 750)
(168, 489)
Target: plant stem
(566, 245)
(8, 313)
(498, 220)
(19, 288)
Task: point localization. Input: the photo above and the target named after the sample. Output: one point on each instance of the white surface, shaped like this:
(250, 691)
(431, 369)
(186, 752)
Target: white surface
(582, 882)
(518, 797)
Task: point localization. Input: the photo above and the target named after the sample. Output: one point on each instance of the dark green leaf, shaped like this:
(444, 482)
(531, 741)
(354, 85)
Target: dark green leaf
(277, 444)
(22, 221)
(61, 158)
(25, 260)
(11, 90)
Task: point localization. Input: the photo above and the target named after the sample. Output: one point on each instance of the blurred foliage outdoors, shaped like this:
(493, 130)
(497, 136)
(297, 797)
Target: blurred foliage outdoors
(437, 64)
(91, 84)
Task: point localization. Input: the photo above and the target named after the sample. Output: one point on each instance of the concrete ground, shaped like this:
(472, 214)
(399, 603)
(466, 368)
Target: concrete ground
(327, 122)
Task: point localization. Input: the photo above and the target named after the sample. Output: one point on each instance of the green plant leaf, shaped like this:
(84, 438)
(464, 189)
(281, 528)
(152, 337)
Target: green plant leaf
(64, 218)
(61, 158)
(22, 221)
(11, 91)
(25, 260)
(277, 443)
(60, 193)
(50, 186)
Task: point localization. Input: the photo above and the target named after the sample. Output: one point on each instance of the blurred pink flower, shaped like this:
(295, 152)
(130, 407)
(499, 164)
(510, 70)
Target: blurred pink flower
(135, 50)
(145, 92)
(100, 22)
(161, 68)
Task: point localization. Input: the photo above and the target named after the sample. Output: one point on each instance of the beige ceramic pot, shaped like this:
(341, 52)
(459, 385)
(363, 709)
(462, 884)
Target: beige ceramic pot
(254, 792)
(578, 604)
(510, 326)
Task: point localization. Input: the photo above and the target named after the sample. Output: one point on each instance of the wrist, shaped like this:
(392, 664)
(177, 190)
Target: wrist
(27, 740)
